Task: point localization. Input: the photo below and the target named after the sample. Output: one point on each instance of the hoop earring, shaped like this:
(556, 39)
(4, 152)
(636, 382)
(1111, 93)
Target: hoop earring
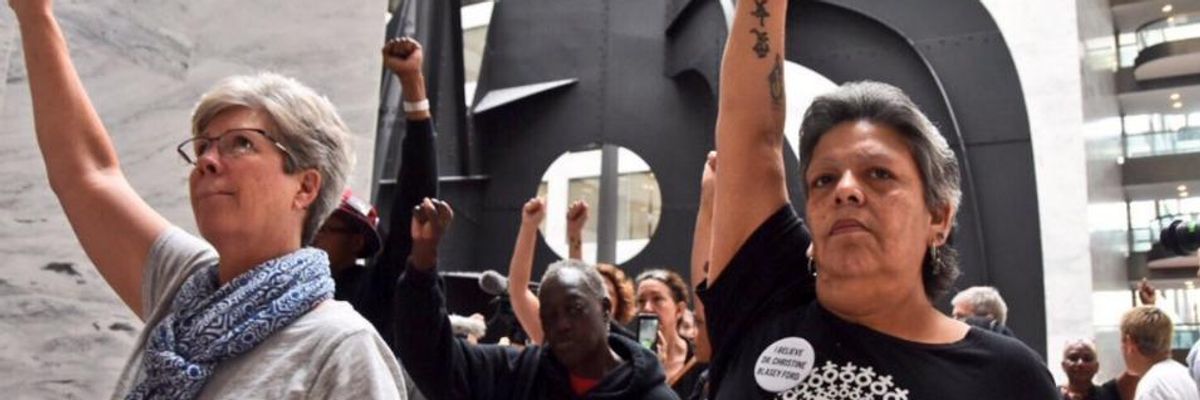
(812, 267)
(933, 255)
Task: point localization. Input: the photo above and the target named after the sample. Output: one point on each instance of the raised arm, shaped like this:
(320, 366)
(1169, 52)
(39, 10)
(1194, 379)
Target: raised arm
(525, 303)
(416, 179)
(749, 128)
(701, 246)
(442, 366)
(577, 216)
(702, 235)
(113, 224)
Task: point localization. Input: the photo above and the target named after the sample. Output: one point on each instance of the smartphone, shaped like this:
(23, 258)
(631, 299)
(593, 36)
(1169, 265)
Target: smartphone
(647, 330)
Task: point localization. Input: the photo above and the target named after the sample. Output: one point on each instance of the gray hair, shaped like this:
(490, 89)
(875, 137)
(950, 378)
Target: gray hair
(309, 127)
(985, 301)
(886, 104)
(593, 282)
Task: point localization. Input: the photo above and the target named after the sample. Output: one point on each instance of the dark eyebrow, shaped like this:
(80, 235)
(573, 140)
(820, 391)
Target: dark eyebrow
(870, 156)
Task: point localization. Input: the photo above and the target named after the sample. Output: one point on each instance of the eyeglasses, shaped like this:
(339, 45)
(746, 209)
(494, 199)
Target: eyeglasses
(233, 143)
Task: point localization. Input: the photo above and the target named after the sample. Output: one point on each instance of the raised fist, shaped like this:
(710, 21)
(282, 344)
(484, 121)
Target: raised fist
(577, 216)
(403, 56)
(430, 221)
(534, 211)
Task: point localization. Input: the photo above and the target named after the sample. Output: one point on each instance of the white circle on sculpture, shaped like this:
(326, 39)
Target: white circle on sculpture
(801, 85)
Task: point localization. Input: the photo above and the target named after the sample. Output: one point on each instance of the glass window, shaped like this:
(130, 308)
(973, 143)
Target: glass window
(1135, 124)
(1141, 213)
(474, 41)
(639, 207)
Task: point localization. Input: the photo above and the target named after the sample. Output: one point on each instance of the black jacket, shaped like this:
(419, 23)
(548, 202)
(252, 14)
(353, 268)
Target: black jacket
(370, 290)
(444, 367)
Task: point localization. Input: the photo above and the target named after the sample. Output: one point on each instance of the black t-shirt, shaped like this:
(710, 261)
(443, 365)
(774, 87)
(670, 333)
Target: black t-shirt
(769, 332)
(1106, 392)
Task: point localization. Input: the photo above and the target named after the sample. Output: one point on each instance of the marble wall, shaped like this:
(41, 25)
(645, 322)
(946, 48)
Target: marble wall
(1071, 121)
(63, 332)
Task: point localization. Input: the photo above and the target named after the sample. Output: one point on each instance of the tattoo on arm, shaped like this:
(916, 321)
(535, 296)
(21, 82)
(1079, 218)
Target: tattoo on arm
(762, 45)
(762, 42)
(775, 79)
(760, 12)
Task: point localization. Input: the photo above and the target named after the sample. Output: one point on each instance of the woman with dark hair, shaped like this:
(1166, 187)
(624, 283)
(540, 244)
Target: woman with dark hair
(620, 289)
(856, 319)
(664, 293)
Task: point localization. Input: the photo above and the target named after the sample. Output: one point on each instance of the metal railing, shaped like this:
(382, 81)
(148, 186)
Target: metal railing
(1168, 29)
(1186, 140)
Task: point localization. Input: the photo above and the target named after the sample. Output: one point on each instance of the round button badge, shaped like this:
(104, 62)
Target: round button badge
(784, 364)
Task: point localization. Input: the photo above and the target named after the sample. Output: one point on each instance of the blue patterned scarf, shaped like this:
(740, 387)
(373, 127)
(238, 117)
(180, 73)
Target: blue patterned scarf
(209, 324)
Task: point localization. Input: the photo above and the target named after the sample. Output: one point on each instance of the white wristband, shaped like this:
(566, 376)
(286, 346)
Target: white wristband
(416, 106)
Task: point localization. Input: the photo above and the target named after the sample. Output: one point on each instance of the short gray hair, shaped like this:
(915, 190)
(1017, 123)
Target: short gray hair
(886, 104)
(593, 282)
(985, 301)
(309, 127)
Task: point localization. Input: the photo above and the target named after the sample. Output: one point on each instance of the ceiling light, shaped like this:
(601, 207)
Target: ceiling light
(1168, 8)
(1174, 96)
(1178, 104)
(1182, 188)
(1183, 194)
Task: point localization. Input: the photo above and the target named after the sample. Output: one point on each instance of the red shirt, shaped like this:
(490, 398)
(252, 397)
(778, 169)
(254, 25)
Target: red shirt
(581, 385)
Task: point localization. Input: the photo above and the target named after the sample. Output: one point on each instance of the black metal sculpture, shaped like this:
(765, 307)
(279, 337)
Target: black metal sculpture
(560, 75)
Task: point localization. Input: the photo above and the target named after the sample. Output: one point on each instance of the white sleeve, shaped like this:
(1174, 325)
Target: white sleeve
(1191, 363)
(174, 255)
(360, 367)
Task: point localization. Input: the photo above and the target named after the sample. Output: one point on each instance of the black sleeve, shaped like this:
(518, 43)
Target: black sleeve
(416, 179)
(1023, 370)
(1108, 391)
(442, 366)
(768, 275)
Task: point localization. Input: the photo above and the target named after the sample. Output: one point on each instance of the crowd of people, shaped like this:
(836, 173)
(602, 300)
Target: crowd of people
(291, 289)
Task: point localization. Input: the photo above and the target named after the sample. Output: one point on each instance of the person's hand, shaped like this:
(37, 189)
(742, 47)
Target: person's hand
(661, 349)
(577, 216)
(534, 212)
(25, 8)
(430, 221)
(708, 179)
(403, 56)
(1146, 293)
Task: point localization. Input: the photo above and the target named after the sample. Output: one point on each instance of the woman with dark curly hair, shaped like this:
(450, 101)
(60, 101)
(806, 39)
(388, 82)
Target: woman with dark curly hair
(620, 289)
